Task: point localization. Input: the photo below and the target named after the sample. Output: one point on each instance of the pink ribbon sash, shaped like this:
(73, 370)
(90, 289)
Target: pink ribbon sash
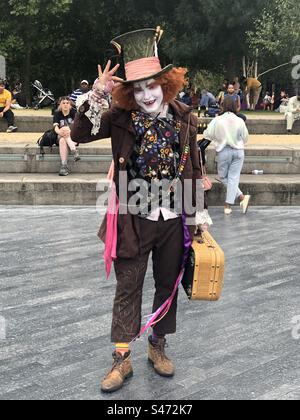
(110, 253)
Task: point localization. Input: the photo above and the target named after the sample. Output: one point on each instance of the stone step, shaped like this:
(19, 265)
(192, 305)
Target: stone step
(41, 121)
(24, 156)
(262, 126)
(272, 160)
(30, 124)
(18, 155)
(31, 138)
(47, 189)
(30, 160)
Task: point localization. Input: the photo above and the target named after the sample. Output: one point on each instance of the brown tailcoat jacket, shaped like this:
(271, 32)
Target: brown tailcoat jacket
(117, 125)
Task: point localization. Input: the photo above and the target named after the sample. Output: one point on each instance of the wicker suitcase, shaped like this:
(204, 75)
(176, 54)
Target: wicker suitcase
(204, 274)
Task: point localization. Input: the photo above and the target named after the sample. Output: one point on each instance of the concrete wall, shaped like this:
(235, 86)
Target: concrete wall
(266, 192)
(264, 126)
(95, 160)
(255, 126)
(30, 124)
(29, 191)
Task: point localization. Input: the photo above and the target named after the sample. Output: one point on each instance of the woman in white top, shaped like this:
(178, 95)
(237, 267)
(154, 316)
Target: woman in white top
(229, 135)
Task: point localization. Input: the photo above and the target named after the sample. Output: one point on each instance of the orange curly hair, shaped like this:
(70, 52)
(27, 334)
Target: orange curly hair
(171, 82)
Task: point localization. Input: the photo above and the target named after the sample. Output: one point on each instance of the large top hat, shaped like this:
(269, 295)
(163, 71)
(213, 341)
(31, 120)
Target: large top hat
(140, 54)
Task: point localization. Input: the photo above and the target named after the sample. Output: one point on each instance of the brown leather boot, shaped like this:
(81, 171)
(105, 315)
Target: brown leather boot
(157, 357)
(121, 370)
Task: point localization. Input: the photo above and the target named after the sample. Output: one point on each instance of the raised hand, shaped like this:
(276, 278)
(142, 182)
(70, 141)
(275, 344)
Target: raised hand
(108, 75)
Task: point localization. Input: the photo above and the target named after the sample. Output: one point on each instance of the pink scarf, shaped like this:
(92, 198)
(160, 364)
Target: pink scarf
(111, 240)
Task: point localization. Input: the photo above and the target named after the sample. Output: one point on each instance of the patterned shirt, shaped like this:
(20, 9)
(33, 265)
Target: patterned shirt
(157, 150)
(156, 155)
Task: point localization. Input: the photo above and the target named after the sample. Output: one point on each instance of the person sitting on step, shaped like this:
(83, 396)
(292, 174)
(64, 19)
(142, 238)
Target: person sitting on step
(63, 120)
(5, 108)
(293, 112)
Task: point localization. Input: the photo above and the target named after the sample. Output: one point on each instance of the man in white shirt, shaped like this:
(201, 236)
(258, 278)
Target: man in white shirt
(293, 112)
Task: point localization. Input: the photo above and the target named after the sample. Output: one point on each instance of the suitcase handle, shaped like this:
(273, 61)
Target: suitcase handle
(198, 236)
(199, 239)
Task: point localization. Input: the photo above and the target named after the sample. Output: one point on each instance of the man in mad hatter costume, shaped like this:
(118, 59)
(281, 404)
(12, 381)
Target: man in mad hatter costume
(153, 143)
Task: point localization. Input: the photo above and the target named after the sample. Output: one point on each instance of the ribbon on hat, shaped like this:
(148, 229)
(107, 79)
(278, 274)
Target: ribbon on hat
(143, 68)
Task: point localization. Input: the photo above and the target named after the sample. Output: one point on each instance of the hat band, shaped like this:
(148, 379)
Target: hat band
(143, 68)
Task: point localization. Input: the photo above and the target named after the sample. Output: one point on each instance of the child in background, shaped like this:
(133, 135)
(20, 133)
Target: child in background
(267, 102)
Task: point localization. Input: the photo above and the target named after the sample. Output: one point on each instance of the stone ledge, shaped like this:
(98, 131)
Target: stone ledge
(37, 189)
(264, 126)
(30, 124)
(97, 159)
(39, 124)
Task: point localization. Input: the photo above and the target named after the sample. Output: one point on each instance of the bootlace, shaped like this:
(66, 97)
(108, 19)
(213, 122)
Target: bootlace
(118, 360)
(159, 349)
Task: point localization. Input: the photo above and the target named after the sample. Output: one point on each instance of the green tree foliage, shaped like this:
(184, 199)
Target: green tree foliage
(26, 35)
(276, 36)
(212, 33)
(61, 42)
(204, 79)
(277, 32)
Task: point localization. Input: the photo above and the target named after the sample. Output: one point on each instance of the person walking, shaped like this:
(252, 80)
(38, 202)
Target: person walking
(229, 135)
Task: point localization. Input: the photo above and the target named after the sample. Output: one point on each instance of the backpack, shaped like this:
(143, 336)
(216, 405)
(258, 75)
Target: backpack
(48, 139)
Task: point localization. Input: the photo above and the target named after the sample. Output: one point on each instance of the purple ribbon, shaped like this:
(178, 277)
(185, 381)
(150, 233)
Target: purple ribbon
(161, 312)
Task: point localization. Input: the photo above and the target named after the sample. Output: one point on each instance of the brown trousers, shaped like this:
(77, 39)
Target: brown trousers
(165, 240)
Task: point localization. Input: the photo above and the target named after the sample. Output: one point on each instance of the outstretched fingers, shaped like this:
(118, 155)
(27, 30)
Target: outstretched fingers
(117, 79)
(109, 74)
(100, 72)
(114, 70)
(107, 68)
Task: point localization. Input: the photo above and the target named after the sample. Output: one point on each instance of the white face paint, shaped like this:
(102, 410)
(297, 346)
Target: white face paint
(149, 96)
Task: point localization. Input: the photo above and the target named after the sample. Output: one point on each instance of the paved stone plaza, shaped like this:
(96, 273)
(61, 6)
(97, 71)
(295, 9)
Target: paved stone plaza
(56, 304)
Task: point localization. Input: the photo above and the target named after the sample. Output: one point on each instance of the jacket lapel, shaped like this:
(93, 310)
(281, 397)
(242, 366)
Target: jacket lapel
(122, 119)
(124, 140)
